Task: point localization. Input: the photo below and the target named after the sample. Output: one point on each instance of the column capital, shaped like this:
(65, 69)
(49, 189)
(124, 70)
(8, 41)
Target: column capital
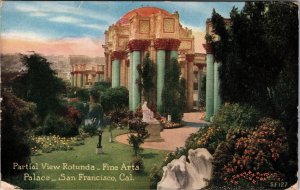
(138, 45)
(161, 44)
(118, 55)
(173, 44)
(200, 66)
(208, 47)
(190, 57)
(166, 44)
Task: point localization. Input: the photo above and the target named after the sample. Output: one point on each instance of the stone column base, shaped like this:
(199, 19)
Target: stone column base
(154, 133)
(99, 151)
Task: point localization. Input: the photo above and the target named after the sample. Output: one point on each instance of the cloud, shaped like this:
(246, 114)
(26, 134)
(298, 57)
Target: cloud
(56, 7)
(66, 19)
(38, 14)
(94, 26)
(28, 35)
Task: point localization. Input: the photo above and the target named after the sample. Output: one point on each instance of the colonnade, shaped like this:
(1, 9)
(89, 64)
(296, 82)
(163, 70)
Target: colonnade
(213, 98)
(80, 78)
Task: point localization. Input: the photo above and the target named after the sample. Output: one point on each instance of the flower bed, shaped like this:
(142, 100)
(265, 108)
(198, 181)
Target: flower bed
(169, 124)
(46, 144)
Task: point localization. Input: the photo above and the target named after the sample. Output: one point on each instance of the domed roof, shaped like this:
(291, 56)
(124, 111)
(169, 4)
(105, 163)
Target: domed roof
(143, 11)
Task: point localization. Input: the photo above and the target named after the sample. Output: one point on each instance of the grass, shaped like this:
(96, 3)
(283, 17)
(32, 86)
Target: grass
(115, 155)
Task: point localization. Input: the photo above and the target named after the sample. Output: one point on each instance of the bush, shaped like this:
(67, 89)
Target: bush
(89, 129)
(155, 176)
(96, 111)
(58, 125)
(121, 116)
(138, 163)
(251, 157)
(17, 118)
(237, 115)
(114, 98)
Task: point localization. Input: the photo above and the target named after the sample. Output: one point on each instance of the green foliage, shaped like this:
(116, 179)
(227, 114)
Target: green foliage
(252, 156)
(96, 111)
(236, 115)
(230, 117)
(155, 176)
(82, 94)
(58, 125)
(146, 73)
(265, 77)
(173, 95)
(138, 128)
(120, 117)
(17, 118)
(39, 84)
(89, 129)
(138, 163)
(114, 98)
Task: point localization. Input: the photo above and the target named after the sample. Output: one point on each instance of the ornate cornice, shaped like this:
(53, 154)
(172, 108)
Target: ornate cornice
(99, 72)
(190, 57)
(166, 44)
(208, 47)
(118, 55)
(138, 45)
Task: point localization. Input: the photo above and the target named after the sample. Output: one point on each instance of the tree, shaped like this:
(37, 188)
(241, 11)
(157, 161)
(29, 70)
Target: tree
(146, 72)
(39, 84)
(259, 55)
(173, 95)
(18, 117)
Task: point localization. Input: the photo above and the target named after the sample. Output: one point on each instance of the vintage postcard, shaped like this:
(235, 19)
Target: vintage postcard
(149, 95)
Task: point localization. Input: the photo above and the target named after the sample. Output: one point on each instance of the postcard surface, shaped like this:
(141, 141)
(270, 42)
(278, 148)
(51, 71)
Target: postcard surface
(149, 95)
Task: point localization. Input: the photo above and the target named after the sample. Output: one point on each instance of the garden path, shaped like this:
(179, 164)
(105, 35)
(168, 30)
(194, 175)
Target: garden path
(173, 137)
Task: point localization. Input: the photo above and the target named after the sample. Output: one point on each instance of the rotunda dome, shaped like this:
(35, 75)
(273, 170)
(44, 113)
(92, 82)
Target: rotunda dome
(143, 11)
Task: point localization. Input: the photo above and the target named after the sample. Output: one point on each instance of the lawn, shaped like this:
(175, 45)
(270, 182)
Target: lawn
(115, 156)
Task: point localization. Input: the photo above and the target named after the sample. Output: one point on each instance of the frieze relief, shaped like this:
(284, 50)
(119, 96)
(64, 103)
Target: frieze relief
(144, 26)
(169, 25)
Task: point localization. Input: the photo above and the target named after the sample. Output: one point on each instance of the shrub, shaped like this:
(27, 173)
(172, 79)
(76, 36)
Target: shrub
(58, 125)
(237, 115)
(121, 116)
(17, 118)
(251, 157)
(89, 129)
(95, 111)
(138, 163)
(114, 98)
(81, 93)
(155, 176)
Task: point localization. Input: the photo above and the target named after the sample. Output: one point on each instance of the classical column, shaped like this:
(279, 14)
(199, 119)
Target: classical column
(117, 57)
(106, 66)
(190, 80)
(200, 78)
(72, 79)
(209, 82)
(109, 68)
(160, 46)
(75, 78)
(136, 47)
(217, 97)
(131, 82)
(173, 46)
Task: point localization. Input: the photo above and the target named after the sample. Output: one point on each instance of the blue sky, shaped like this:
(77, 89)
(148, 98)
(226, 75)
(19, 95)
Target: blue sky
(76, 19)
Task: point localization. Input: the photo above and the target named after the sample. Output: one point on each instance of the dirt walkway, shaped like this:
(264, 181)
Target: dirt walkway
(173, 137)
